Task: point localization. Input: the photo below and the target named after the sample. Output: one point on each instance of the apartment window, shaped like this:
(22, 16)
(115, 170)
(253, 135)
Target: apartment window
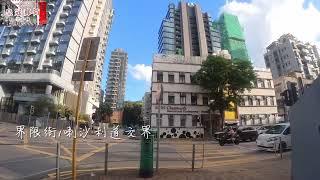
(161, 122)
(250, 101)
(159, 77)
(183, 120)
(269, 83)
(265, 100)
(182, 98)
(242, 101)
(271, 101)
(192, 78)
(171, 120)
(258, 102)
(205, 100)
(194, 120)
(171, 99)
(261, 83)
(182, 78)
(194, 99)
(171, 78)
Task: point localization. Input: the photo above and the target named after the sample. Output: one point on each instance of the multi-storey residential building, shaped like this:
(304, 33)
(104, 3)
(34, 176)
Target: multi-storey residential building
(187, 31)
(232, 37)
(117, 75)
(259, 106)
(40, 61)
(288, 54)
(146, 109)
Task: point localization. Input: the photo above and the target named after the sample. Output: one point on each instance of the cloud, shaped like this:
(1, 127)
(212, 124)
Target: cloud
(141, 72)
(264, 21)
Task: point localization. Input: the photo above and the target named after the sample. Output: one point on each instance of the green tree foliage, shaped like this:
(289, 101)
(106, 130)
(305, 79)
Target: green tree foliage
(104, 112)
(225, 80)
(132, 114)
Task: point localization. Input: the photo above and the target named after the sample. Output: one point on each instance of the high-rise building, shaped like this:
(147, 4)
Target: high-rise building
(117, 75)
(188, 31)
(232, 37)
(40, 61)
(288, 55)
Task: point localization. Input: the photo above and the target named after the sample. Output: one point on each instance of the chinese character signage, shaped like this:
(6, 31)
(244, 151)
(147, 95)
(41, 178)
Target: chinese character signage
(25, 12)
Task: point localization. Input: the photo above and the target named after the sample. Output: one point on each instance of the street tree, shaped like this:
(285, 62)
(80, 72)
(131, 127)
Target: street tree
(132, 114)
(225, 81)
(104, 112)
(42, 106)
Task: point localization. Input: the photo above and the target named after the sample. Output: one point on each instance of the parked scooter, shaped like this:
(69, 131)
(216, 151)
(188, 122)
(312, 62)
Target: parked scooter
(229, 138)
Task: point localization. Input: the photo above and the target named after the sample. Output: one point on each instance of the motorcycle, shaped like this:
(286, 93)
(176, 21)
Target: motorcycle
(228, 138)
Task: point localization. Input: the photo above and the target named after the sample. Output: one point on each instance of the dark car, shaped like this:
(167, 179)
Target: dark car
(247, 133)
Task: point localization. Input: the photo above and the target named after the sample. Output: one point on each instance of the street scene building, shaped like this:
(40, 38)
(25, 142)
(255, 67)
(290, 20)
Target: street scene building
(40, 61)
(116, 83)
(259, 106)
(288, 54)
(288, 90)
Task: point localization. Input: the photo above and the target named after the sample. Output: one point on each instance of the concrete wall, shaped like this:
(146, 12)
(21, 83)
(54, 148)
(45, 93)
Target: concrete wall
(305, 125)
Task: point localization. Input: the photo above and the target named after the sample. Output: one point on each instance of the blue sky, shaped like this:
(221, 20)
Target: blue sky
(135, 29)
(136, 24)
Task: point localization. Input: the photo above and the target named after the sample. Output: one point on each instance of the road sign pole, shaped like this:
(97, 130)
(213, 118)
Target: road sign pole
(74, 173)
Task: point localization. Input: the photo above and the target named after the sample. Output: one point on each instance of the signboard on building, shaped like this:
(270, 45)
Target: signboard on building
(24, 12)
(89, 50)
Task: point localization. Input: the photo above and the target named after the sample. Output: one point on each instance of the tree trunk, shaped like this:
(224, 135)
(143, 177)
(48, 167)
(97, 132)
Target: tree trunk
(221, 122)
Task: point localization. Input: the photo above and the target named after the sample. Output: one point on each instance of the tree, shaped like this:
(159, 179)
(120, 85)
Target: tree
(132, 114)
(225, 81)
(104, 112)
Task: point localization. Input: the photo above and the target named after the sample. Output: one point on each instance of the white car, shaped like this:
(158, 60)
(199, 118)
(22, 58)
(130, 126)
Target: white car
(271, 139)
(263, 129)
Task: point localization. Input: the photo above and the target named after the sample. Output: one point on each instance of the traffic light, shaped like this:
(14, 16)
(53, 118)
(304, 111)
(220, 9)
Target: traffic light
(286, 95)
(31, 109)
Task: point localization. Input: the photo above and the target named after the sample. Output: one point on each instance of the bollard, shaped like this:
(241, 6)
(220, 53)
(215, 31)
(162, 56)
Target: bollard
(58, 161)
(281, 150)
(193, 153)
(106, 159)
(202, 155)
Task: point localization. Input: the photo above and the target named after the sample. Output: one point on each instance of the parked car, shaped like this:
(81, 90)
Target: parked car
(271, 139)
(263, 129)
(247, 133)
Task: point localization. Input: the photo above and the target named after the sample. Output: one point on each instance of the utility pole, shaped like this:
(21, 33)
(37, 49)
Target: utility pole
(74, 168)
(158, 128)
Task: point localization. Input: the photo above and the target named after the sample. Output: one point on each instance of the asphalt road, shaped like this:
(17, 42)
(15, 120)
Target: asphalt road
(37, 157)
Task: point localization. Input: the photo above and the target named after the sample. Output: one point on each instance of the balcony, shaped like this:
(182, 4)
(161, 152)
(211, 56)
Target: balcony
(67, 7)
(61, 23)
(54, 42)
(35, 40)
(10, 42)
(22, 50)
(39, 30)
(96, 12)
(6, 52)
(47, 63)
(57, 32)
(13, 33)
(51, 52)
(70, 1)
(3, 62)
(26, 40)
(32, 50)
(51, 5)
(28, 60)
(93, 24)
(64, 14)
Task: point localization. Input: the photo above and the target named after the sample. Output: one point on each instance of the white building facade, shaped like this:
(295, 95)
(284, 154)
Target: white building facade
(259, 106)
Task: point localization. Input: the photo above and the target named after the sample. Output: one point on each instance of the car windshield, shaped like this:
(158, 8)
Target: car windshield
(277, 129)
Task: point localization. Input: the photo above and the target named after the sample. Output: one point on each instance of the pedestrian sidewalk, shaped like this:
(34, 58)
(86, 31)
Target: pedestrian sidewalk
(276, 169)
